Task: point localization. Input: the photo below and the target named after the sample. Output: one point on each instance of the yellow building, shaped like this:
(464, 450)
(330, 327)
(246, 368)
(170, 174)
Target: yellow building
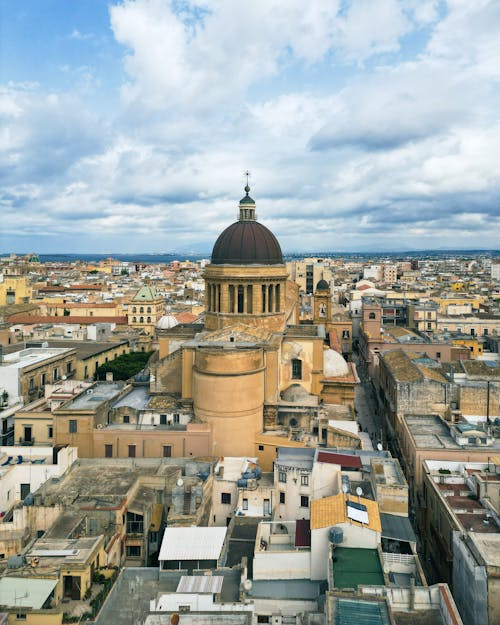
(15, 290)
(251, 349)
(145, 309)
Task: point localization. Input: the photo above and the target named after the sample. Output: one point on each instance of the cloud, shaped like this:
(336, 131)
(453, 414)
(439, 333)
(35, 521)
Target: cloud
(365, 125)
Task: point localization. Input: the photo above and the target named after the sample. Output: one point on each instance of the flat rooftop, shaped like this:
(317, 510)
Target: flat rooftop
(354, 566)
(137, 397)
(95, 395)
(387, 472)
(468, 510)
(31, 356)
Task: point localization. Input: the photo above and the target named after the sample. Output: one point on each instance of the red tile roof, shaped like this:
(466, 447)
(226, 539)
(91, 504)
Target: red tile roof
(34, 319)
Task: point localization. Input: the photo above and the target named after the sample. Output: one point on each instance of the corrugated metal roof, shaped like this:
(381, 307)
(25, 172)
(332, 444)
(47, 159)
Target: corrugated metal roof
(21, 592)
(349, 462)
(192, 543)
(397, 528)
(207, 584)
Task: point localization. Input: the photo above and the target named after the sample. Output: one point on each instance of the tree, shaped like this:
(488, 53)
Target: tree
(124, 367)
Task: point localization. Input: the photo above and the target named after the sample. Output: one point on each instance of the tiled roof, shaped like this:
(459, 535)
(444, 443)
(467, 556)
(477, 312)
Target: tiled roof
(76, 319)
(333, 510)
(146, 294)
(401, 366)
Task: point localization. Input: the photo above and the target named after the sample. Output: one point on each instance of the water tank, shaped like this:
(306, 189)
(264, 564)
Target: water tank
(242, 483)
(29, 500)
(248, 475)
(336, 535)
(258, 472)
(16, 562)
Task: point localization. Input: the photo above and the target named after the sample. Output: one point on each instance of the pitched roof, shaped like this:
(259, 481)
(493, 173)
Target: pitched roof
(401, 366)
(333, 510)
(146, 294)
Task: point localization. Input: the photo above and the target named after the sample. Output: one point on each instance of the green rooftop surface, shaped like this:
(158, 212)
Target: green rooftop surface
(356, 566)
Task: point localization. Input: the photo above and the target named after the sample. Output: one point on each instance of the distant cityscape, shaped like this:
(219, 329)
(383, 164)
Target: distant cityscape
(249, 437)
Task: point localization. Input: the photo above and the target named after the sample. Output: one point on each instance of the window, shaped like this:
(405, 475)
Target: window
(141, 309)
(43, 379)
(485, 331)
(261, 447)
(176, 417)
(163, 419)
(148, 309)
(345, 334)
(167, 451)
(472, 332)
(282, 497)
(133, 551)
(56, 374)
(126, 418)
(262, 618)
(32, 383)
(131, 451)
(50, 431)
(438, 354)
(371, 315)
(108, 451)
(296, 369)
(73, 426)
(304, 501)
(304, 480)
(429, 326)
(282, 476)
(225, 498)
(241, 298)
(20, 616)
(245, 504)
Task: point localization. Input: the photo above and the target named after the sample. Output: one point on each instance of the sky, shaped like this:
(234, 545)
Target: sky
(367, 125)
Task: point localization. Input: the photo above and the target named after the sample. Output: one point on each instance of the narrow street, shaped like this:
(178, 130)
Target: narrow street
(365, 405)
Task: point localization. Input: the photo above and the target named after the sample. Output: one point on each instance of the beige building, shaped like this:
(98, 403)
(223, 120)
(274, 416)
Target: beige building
(251, 349)
(145, 309)
(15, 290)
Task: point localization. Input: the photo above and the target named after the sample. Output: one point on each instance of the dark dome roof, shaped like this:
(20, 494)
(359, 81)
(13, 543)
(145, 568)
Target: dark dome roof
(322, 285)
(247, 243)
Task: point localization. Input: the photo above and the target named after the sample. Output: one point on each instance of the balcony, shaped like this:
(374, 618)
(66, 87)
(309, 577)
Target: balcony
(26, 442)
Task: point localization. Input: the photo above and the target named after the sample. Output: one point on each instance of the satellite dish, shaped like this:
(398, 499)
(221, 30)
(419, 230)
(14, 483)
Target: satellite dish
(359, 491)
(379, 446)
(180, 482)
(345, 489)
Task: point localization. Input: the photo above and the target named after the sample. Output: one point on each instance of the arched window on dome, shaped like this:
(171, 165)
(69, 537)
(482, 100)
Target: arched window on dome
(148, 309)
(250, 299)
(149, 319)
(141, 309)
(296, 369)
(141, 320)
(231, 298)
(278, 297)
(241, 298)
(270, 298)
(264, 292)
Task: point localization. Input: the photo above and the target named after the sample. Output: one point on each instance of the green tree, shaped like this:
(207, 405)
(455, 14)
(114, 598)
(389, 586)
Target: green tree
(124, 367)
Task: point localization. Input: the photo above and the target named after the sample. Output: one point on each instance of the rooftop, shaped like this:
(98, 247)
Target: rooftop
(94, 396)
(337, 509)
(354, 566)
(32, 356)
(138, 398)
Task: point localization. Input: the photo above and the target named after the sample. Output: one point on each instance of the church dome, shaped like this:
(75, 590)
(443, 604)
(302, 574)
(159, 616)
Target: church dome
(166, 322)
(247, 242)
(334, 364)
(322, 285)
(295, 393)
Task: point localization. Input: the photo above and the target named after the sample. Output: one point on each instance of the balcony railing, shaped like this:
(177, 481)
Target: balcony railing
(26, 443)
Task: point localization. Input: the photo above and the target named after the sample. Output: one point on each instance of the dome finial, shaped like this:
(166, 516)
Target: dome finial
(247, 186)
